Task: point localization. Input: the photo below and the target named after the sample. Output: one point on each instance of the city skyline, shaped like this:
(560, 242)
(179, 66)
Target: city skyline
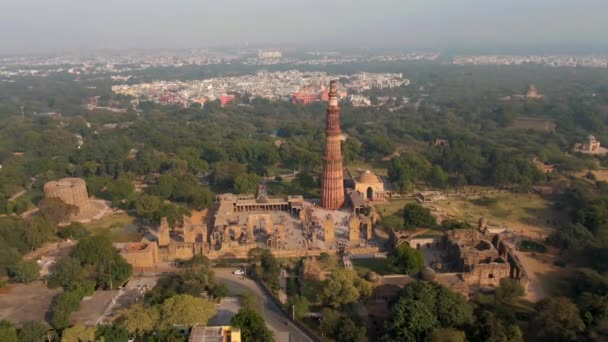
(65, 25)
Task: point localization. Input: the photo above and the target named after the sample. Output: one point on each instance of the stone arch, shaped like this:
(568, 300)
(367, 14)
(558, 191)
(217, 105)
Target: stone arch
(370, 193)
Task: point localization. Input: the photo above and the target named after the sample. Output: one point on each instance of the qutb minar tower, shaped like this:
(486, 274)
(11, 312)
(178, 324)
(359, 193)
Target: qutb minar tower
(333, 178)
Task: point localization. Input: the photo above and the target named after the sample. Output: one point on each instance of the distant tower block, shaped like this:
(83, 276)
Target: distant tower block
(70, 190)
(163, 232)
(354, 232)
(330, 237)
(333, 178)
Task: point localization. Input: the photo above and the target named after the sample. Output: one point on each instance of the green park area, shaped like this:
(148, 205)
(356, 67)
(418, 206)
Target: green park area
(119, 227)
(378, 265)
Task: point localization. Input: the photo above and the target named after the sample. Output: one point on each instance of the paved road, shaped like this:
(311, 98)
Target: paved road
(274, 317)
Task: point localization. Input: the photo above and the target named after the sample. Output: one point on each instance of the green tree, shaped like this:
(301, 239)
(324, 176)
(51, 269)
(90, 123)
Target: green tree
(424, 306)
(406, 260)
(270, 269)
(78, 333)
(415, 215)
(186, 310)
(300, 306)
(33, 331)
(75, 231)
(111, 333)
(349, 331)
(446, 335)
(24, 272)
(67, 272)
(253, 327)
(69, 302)
(557, 319)
(509, 290)
(140, 320)
(438, 178)
(329, 321)
(246, 183)
(120, 189)
(220, 291)
(410, 320)
(38, 231)
(226, 172)
(56, 211)
(148, 206)
(344, 286)
(8, 333)
(165, 186)
(491, 328)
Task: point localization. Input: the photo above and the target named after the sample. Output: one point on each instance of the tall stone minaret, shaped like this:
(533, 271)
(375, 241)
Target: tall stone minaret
(333, 178)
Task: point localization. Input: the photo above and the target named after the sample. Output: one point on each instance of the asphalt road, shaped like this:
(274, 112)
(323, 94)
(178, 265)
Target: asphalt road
(283, 330)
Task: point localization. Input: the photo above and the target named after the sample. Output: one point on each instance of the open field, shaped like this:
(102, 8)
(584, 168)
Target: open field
(119, 226)
(523, 213)
(393, 206)
(600, 175)
(27, 302)
(378, 265)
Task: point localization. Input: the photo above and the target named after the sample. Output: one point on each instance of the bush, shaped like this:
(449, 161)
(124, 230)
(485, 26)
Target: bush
(69, 302)
(24, 272)
(75, 231)
(415, 215)
(531, 246)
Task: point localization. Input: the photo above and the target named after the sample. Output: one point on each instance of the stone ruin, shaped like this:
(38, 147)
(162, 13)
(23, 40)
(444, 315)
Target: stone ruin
(482, 258)
(73, 191)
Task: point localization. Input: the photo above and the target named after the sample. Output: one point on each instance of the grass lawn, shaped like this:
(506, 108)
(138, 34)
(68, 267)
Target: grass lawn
(378, 265)
(391, 207)
(119, 227)
(512, 209)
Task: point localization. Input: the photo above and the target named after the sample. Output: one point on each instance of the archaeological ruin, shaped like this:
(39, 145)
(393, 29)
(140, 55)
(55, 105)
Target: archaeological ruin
(73, 191)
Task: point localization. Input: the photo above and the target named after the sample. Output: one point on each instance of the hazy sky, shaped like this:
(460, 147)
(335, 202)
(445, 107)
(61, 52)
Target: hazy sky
(56, 25)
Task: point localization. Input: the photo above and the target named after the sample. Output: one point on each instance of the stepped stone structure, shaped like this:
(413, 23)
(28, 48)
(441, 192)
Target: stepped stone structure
(70, 190)
(74, 191)
(333, 178)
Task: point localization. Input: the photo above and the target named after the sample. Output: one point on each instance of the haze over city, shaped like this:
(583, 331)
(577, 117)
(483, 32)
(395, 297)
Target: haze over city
(70, 25)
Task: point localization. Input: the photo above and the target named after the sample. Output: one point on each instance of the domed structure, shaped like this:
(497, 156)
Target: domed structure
(427, 274)
(368, 177)
(369, 186)
(372, 276)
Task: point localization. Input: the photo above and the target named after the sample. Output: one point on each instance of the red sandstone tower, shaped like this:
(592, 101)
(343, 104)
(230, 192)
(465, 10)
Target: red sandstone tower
(333, 179)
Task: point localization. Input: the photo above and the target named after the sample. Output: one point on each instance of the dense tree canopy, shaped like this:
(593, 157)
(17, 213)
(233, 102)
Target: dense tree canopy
(423, 307)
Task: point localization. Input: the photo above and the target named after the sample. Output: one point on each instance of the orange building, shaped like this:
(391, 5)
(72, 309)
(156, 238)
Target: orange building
(226, 99)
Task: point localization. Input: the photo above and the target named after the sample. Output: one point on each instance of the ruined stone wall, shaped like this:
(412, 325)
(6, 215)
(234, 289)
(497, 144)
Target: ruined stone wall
(487, 274)
(142, 259)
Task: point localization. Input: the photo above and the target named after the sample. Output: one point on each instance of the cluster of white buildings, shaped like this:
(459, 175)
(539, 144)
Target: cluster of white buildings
(333, 59)
(267, 85)
(554, 60)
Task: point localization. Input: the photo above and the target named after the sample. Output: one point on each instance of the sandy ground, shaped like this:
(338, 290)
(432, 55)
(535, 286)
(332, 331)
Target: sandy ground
(27, 302)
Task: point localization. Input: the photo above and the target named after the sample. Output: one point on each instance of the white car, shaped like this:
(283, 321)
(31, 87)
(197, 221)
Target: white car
(238, 271)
